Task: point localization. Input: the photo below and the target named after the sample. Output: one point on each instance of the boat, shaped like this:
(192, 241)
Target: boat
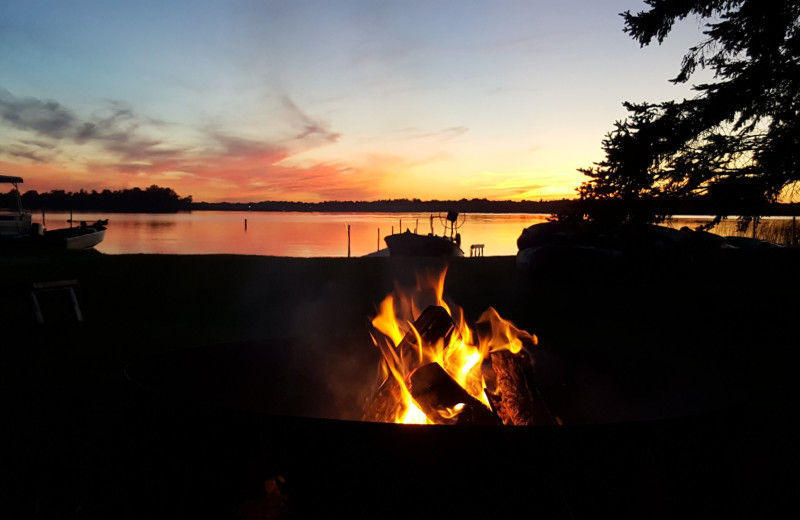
(18, 231)
(84, 236)
(14, 223)
(408, 243)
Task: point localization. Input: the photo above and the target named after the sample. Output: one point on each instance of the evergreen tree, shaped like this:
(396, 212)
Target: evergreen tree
(735, 144)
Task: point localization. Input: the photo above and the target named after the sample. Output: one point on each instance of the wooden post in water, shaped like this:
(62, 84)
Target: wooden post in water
(44, 224)
(348, 240)
(794, 230)
(245, 224)
(378, 244)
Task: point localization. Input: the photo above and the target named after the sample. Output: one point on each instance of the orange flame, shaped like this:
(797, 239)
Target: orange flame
(462, 357)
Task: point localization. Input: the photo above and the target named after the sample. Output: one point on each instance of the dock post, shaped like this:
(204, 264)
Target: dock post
(348, 240)
(245, 224)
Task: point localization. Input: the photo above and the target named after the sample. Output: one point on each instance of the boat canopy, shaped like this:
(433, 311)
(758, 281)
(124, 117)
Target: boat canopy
(10, 178)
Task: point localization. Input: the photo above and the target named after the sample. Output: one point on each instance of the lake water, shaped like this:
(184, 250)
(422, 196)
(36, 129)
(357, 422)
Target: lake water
(296, 234)
(288, 233)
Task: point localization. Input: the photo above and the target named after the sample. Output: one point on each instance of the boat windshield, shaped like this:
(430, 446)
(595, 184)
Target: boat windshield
(13, 202)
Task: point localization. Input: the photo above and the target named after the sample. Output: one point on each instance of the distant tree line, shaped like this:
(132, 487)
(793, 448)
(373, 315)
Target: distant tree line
(686, 206)
(394, 206)
(154, 199)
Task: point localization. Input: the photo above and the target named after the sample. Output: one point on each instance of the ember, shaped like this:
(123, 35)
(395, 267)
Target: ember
(437, 370)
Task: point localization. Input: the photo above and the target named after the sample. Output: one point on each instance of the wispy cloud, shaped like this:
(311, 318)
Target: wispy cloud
(447, 134)
(242, 148)
(45, 118)
(130, 149)
(310, 128)
(505, 186)
(115, 129)
(22, 153)
(32, 150)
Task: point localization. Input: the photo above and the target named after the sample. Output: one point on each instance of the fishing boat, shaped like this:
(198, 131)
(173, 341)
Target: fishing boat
(408, 243)
(83, 236)
(18, 231)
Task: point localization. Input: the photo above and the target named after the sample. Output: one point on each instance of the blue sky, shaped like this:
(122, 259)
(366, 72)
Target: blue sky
(321, 100)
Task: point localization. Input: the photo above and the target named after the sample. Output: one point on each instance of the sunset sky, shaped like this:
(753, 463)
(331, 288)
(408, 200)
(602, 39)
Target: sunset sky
(251, 100)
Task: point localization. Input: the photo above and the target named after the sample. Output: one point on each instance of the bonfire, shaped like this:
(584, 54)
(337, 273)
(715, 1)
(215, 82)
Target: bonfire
(436, 369)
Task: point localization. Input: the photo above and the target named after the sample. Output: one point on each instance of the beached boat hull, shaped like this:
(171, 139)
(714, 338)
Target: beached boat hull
(75, 238)
(412, 244)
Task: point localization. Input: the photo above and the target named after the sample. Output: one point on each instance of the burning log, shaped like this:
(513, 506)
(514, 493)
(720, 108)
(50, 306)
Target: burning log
(438, 395)
(444, 401)
(513, 399)
(434, 324)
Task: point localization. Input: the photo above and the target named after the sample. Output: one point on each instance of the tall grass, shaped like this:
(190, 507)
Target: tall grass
(784, 232)
(781, 231)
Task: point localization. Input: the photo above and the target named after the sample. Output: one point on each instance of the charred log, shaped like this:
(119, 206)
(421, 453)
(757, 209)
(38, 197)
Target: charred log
(433, 324)
(441, 398)
(515, 398)
(384, 405)
(512, 398)
(444, 401)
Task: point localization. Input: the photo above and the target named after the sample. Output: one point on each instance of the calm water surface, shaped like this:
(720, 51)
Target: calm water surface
(289, 233)
(304, 234)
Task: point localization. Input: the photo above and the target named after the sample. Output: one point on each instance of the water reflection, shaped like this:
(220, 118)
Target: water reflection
(290, 234)
(305, 234)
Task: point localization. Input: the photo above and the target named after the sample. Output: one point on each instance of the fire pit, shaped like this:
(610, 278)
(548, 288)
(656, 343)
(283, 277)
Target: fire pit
(321, 436)
(301, 433)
